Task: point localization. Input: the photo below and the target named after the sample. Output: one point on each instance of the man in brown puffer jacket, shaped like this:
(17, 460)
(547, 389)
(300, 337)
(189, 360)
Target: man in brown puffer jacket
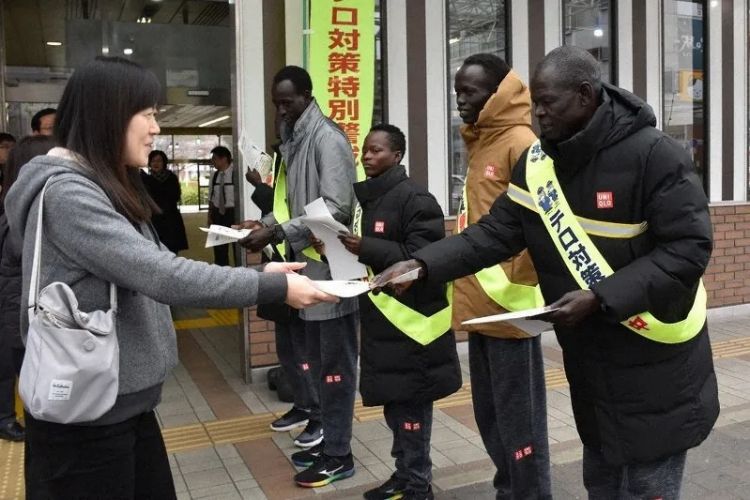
(507, 371)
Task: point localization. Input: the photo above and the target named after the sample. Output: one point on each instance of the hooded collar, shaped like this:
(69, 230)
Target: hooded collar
(307, 122)
(619, 115)
(31, 180)
(375, 187)
(509, 106)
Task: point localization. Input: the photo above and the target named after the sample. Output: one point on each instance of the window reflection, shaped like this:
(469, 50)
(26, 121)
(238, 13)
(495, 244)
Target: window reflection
(683, 80)
(473, 27)
(587, 24)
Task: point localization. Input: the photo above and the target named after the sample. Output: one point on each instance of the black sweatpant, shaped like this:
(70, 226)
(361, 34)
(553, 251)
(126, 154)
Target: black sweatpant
(332, 350)
(510, 408)
(411, 424)
(291, 349)
(659, 479)
(123, 461)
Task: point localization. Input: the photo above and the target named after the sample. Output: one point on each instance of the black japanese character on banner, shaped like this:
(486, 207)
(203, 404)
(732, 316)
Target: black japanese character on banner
(579, 256)
(592, 274)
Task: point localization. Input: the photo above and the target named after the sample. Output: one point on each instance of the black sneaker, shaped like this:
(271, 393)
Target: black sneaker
(393, 489)
(311, 436)
(12, 431)
(306, 458)
(326, 470)
(422, 495)
(291, 420)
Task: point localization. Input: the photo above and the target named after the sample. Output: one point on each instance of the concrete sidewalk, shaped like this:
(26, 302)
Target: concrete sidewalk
(253, 461)
(220, 445)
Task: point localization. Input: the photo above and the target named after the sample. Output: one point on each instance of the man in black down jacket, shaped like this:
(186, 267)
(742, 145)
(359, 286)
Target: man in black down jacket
(639, 404)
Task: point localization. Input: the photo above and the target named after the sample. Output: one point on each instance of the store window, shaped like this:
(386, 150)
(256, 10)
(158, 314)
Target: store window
(684, 57)
(474, 26)
(588, 24)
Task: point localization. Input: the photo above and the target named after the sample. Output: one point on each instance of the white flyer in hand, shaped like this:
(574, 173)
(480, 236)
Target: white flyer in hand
(402, 278)
(343, 288)
(344, 264)
(221, 235)
(255, 158)
(526, 314)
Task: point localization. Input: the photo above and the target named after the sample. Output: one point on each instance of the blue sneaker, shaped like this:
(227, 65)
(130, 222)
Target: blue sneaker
(311, 436)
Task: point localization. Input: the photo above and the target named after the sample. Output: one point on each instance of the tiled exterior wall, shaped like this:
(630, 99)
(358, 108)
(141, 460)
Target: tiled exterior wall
(727, 278)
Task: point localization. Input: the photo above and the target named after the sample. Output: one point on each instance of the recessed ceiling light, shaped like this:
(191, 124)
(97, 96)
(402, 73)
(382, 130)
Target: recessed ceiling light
(105, 50)
(598, 32)
(54, 44)
(127, 51)
(215, 120)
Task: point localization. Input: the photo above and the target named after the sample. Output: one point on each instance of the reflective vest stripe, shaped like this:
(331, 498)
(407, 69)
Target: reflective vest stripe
(415, 325)
(493, 280)
(584, 261)
(591, 226)
(281, 212)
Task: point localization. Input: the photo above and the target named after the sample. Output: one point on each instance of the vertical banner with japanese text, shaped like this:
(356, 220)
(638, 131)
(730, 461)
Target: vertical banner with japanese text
(342, 65)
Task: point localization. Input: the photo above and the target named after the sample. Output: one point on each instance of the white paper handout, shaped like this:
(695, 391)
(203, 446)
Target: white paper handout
(343, 288)
(344, 264)
(221, 235)
(527, 314)
(402, 278)
(255, 158)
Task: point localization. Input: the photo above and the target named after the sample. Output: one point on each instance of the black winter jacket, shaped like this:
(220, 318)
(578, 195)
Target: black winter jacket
(398, 218)
(10, 300)
(634, 400)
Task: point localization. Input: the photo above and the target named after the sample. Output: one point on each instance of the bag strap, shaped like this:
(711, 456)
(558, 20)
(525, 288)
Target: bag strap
(37, 261)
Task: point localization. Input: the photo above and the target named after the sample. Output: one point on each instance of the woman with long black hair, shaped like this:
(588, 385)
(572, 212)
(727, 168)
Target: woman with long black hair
(96, 233)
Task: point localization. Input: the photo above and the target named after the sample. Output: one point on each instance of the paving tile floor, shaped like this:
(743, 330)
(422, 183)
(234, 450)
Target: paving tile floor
(207, 387)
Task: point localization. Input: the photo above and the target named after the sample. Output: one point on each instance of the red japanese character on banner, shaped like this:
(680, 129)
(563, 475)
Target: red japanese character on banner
(343, 109)
(348, 85)
(343, 62)
(347, 40)
(344, 16)
(351, 129)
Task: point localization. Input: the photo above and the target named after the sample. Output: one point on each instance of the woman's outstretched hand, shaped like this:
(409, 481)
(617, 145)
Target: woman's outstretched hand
(301, 293)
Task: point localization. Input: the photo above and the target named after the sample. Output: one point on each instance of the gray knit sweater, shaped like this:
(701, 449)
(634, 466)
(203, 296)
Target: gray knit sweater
(87, 244)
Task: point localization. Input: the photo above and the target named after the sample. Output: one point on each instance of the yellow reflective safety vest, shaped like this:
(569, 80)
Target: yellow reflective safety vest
(415, 325)
(582, 258)
(493, 280)
(281, 212)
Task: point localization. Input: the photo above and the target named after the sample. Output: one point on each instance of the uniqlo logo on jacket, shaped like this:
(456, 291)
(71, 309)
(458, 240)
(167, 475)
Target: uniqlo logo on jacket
(605, 199)
(305, 366)
(379, 226)
(333, 379)
(409, 426)
(489, 171)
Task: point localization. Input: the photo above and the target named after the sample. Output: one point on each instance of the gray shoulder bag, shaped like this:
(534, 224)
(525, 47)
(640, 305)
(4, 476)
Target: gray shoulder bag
(70, 369)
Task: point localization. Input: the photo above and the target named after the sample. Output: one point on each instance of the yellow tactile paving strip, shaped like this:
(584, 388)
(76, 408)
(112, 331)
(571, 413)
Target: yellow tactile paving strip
(252, 427)
(11, 470)
(216, 317)
(731, 348)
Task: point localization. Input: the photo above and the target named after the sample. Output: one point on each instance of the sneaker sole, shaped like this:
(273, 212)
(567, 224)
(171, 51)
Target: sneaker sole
(299, 444)
(301, 423)
(335, 477)
(299, 463)
(395, 496)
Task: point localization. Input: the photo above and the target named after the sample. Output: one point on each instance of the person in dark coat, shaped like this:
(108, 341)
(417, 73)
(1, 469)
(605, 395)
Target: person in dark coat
(11, 345)
(406, 376)
(639, 402)
(164, 188)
